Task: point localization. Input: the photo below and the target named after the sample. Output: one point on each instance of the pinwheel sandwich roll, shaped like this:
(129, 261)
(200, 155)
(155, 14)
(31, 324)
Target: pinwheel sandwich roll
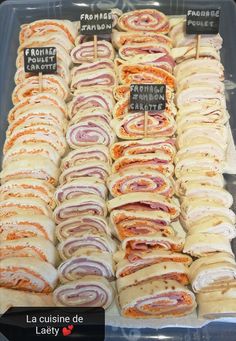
(128, 51)
(28, 273)
(147, 20)
(30, 86)
(21, 226)
(140, 180)
(137, 74)
(216, 272)
(90, 131)
(145, 146)
(154, 242)
(162, 271)
(183, 53)
(135, 223)
(84, 154)
(81, 186)
(84, 204)
(120, 38)
(217, 304)
(202, 177)
(37, 247)
(149, 300)
(99, 64)
(208, 192)
(85, 52)
(201, 245)
(21, 150)
(96, 169)
(216, 224)
(37, 134)
(98, 78)
(85, 243)
(31, 167)
(73, 227)
(143, 259)
(90, 99)
(131, 127)
(95, 263)
(41, 27)
(42, 98)
(89, 291)
(26, 206)
(144, 202)
(28, 188)
(195, 209)
(16, 298)
(158, 162)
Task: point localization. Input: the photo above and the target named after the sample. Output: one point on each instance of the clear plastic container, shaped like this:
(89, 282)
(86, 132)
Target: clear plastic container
(13, 13)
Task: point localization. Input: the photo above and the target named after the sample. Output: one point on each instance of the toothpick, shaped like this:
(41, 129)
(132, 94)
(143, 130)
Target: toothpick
(145, 124)
(198, 46)
(40, 82)
(95, 41)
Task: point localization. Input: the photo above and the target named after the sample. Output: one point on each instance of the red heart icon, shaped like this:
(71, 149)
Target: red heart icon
(71, 327)
(66, 331)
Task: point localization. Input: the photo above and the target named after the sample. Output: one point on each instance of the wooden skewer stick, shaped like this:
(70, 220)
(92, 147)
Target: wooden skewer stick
(95, 41)
(145, 124)
(198, 46)
(40, 82)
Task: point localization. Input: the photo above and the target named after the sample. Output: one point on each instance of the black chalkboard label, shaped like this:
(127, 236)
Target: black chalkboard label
(94, 23)
(147, 97)
(203, 21)
(40, 59)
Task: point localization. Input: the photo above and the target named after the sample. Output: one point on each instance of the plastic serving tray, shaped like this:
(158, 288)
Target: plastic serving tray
(13, 13)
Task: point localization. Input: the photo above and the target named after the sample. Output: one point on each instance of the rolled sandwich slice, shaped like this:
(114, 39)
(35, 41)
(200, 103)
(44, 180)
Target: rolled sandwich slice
(42, 98)
(26, 206)
(201, 245)
(81, 186)
(90, 131)
(28, 274)
(158, 161)
(86, 243)
(216, 224)
(154, 242)
(89, 291)
(30, 86)
(131, 127)
(216, 272)
(217, 304)
(195, 209)
(86, 153)
(24, 226)
(145, 146)
(156, 299)
(84, 52)
(183, 53)
(126, 224)
(208, 192)
(95, 263)
(162, 271)
(94, 79)
(28, 188)
(147, 20)
(140, 180)
(82, 205)
(96, 169)
(73, 227)
(31, 167)
(128, 51)
(144, 202)
(143, 259)
(16, 298)
(36, 247)
(99, 64)
(35, 148)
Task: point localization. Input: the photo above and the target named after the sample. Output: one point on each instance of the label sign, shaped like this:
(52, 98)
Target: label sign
(147, 97)
(94, 23)
(202, 21)
(40, 59)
